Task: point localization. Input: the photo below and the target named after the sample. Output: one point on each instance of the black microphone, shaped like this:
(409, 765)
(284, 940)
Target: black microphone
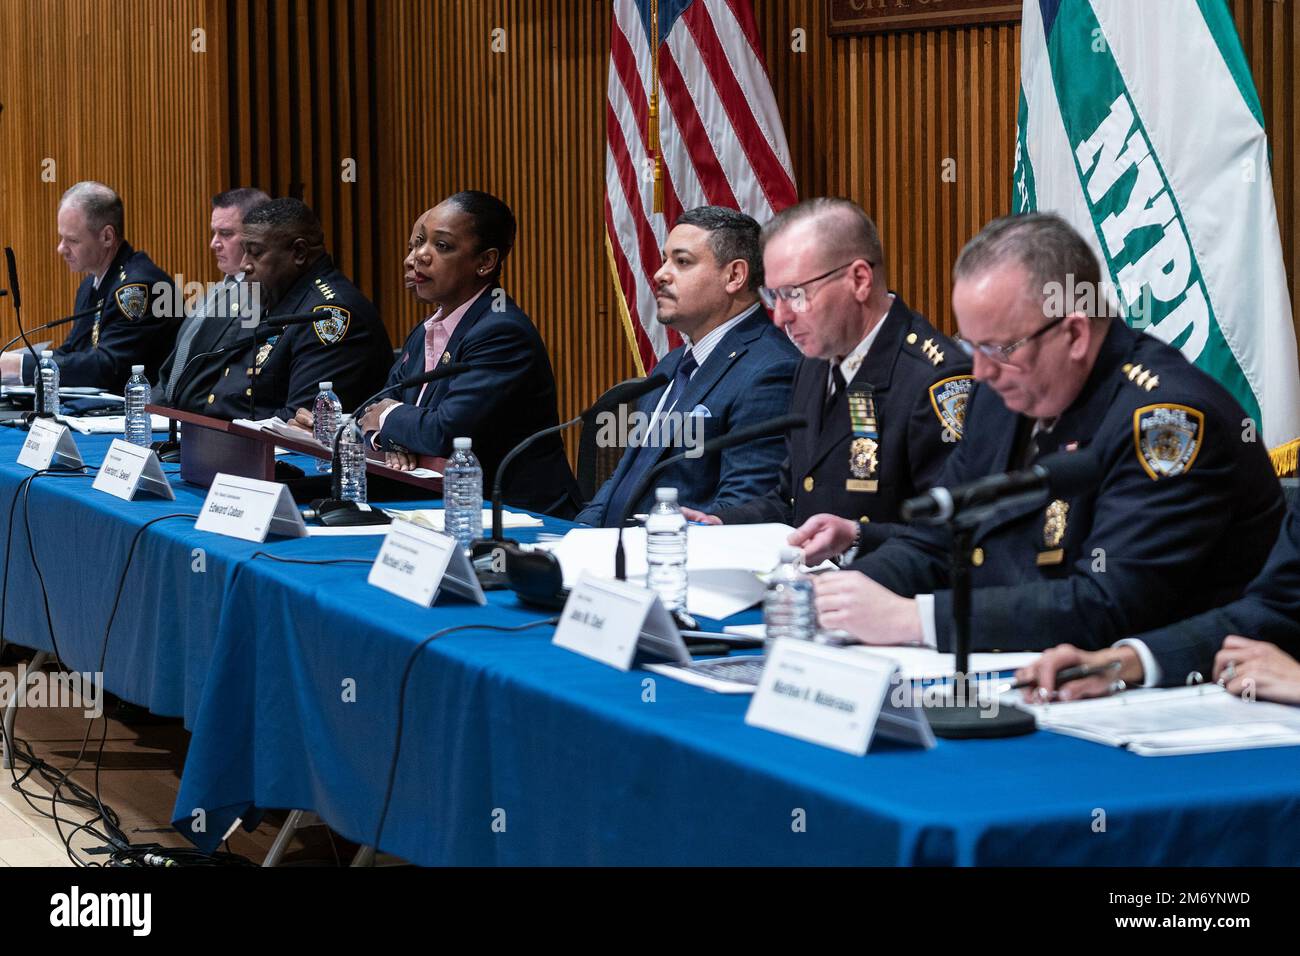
(336, 504)
(620, 394)
(764, 429)
(49, 325)
(12, 266)
(1063, 474)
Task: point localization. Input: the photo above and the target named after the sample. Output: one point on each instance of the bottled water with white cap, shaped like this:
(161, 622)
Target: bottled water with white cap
(665, 550)
(326, 414)
(462, 495)
(352, 464)
(788, 608)
(139, 424)
(47, 399)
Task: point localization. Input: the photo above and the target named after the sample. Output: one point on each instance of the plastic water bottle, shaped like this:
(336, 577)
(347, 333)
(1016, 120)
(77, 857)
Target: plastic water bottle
(665, 550)
(139, 423)
(462, 495)
(352, 463)
(49, 398)
(326, 414)
(788, 609)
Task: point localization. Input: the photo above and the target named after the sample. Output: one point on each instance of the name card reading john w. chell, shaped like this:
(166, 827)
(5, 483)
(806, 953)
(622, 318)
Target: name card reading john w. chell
(250, 509)
(611, 621)
(834, 697)
(129, 469)
(414, 562)
(49, 445)
(847, 17)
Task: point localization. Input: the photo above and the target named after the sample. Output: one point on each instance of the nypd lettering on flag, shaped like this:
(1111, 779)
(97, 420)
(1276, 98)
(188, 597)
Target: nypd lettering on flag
(331, 330)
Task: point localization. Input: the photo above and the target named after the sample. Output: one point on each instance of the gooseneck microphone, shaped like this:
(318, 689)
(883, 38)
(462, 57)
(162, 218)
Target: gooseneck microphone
(764, 429)
(620, 394)
(1062, 474)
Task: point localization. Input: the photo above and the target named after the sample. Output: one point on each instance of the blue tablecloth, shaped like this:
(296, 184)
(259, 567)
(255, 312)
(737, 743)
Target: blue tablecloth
(517, 752)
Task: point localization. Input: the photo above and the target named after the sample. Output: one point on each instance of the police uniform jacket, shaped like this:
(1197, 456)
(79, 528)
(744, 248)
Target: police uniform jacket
(920, 383)
(124, 329)
(280, 371)
(1182, 518)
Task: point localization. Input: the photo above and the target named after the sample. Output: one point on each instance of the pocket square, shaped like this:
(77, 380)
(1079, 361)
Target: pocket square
(701, 411)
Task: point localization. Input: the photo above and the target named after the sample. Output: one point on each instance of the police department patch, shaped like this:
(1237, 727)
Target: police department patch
(132, 299)
(1167, 438)
(332, 330)
(949, 397)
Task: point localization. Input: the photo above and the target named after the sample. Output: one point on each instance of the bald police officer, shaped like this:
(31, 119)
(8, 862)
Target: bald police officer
(883, 390)
(130, 300)
(1182, 518)
(274, 372)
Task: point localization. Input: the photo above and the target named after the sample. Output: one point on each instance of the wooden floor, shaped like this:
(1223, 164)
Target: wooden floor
(139, 778)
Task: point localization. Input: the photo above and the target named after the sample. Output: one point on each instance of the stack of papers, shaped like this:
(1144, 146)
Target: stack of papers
(722, 561)
(436, 518)
(1184, 720)
(108, 424)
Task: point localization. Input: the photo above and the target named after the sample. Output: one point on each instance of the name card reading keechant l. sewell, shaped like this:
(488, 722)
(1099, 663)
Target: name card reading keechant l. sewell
(129, 469)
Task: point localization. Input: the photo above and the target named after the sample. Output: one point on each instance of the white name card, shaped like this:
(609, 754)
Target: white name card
(833, 697)
(609, 621)
(414, 562)
(249, 508)
(49, 445)
(128, 469)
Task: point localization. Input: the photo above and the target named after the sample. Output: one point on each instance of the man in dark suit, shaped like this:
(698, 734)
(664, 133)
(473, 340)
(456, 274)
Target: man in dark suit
(215, 321)
(457, 250)
(883, 390)
(130, 300)
(1184, 513)
(734, 370)
(1254, 638)
(280, 369)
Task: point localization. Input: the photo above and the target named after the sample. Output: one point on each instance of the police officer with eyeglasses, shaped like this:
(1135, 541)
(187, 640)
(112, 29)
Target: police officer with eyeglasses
(1182, 518)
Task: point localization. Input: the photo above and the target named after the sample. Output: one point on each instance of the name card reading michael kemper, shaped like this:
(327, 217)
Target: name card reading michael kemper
(832, 697)
(250, 509)
(609, 621)
(128, 469)
(49, 445)
(414, 562)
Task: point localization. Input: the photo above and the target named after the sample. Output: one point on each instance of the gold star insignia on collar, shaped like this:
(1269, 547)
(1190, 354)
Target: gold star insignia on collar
(932, 351)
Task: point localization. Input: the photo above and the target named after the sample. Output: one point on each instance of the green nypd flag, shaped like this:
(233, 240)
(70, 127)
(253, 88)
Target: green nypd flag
(1139, 123)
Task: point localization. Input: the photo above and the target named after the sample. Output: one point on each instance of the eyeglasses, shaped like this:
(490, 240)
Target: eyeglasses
(1002, 353)
(798, 294)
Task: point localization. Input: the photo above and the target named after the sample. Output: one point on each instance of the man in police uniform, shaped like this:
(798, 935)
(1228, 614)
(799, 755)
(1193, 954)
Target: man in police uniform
(128, 298)
(1181, 519)
(1248, 645)
(883, 390)
(280, 370)
(216, 321)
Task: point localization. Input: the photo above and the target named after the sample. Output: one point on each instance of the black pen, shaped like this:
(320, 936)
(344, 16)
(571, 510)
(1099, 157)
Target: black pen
(1077, 672)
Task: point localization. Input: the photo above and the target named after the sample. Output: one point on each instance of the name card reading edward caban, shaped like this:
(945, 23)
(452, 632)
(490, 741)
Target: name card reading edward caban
(847, 17)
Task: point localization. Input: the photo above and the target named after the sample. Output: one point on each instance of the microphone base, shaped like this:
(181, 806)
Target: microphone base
(167, 451)
(972, 722)
(333, 512)
(492, 575)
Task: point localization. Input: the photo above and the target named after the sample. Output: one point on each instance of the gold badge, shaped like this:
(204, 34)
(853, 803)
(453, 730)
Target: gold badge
(862, 457)
(264, 351)
(446, 358)
(1054, 525)
(1167, 438)
(808, 483)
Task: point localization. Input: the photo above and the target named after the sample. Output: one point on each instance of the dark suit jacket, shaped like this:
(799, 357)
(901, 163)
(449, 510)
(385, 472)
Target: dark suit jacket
(1269, 611)
(921, 382)
(218, 327)
(508, 394)
(1133, 553)
(745, 380)
(101, 348)
(348, 346)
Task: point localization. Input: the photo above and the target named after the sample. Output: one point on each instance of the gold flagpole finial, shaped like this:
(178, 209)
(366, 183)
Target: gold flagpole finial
(652, 134)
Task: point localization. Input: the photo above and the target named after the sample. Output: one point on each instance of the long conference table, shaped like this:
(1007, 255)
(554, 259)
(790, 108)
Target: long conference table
(518, 752)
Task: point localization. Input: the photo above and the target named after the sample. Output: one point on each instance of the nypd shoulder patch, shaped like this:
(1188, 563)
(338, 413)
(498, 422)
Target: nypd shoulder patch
(332, 330)
(1167, 438)
(133, 299)
(949, 397)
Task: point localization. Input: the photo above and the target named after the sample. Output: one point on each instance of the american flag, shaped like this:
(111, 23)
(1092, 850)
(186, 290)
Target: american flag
(707, 133)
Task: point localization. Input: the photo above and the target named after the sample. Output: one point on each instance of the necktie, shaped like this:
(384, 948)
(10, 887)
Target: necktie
(645, 457)
(837, 388)
(185, 343)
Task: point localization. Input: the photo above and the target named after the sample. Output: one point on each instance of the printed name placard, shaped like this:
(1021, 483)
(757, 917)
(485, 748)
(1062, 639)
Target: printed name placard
(609, 621)
(414, 562)
(49, 445)
(833, 697)
(128, 469)
(249, 508)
